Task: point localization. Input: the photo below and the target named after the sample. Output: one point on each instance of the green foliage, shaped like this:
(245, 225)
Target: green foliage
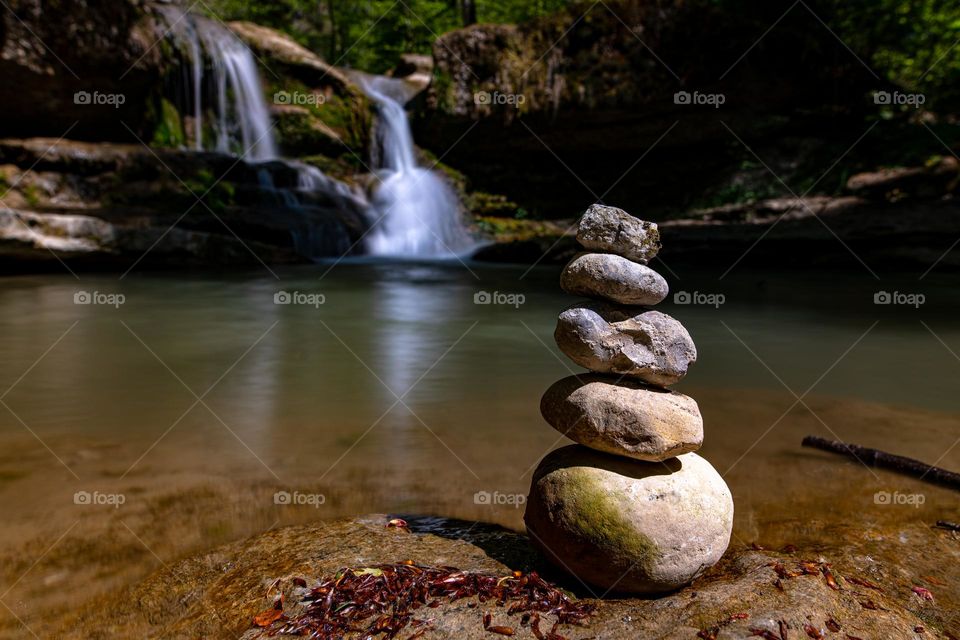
(371, 35)
(912, 44)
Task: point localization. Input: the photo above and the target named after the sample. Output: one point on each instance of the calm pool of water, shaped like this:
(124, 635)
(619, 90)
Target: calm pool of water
(198, 399)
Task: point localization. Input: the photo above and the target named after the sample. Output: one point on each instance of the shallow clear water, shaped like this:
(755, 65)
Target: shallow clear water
(399, 393)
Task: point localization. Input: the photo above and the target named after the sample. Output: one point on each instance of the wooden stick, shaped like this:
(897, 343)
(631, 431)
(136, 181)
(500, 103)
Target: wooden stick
(883, 460)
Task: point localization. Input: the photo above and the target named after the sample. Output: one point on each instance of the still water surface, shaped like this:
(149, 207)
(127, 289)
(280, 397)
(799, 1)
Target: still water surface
(199, 398)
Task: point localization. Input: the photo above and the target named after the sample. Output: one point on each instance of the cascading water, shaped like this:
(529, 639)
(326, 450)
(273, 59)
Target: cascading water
(223, 81)
(415, 213)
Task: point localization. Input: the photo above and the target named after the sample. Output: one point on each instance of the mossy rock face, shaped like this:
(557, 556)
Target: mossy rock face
(629, 526)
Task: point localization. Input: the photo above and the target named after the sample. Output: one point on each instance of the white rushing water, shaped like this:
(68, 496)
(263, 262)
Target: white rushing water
(415, 212)
(223, 82)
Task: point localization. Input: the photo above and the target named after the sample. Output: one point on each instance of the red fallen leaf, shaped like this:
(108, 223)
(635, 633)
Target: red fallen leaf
(503, 631)
(783, 572)
(783, 629)
(709, 634)
(756, 547)
(790, 548)
(918, 629)
(299, 582)
(833, 625)
(397, 523)
(738, 616)
(778, 584)
(864, 583)
(924, 594)
(813, 632)
(831, 581)
(870, 604)
(763, 633)
(267, 618)
(810, 568)
(850, 637)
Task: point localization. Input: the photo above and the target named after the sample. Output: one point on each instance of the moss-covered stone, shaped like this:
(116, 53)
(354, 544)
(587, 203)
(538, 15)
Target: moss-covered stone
(629, 526)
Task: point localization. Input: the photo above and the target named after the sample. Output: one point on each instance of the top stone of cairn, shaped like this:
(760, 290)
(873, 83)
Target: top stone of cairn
(614, 230)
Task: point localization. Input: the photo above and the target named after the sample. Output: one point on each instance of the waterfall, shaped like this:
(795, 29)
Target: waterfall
(224, 83)
(415, 212)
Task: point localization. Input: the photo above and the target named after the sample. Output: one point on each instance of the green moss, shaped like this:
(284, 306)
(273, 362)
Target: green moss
(219, 195)
(349, 115)
(32, 194)
(594, 512)
(169, 130)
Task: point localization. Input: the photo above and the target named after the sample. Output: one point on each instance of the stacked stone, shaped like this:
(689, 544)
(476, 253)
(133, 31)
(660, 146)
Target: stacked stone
(629, 508)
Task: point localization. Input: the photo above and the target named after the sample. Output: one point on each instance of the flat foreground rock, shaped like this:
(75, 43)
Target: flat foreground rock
(625, 418)
(217, 593)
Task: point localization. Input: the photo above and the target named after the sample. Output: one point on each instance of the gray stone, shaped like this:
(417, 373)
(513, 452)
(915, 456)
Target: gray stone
(624, 418)
(605, 338)
(614, 230)
(628, 526)
(609, 276)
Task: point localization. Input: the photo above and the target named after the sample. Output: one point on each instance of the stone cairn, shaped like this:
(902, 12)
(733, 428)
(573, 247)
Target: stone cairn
(629, 508)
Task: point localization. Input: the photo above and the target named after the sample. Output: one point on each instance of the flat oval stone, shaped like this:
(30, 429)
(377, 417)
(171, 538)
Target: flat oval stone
(614, 230)
(609, 276)
(628, 526)
(625, 418)
(605, 338)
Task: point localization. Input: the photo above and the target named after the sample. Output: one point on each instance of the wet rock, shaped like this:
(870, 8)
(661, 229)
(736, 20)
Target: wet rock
(215, 594)
(610, 229)
(623, 417)
(605, 338)
(628, 526)
(604, 275)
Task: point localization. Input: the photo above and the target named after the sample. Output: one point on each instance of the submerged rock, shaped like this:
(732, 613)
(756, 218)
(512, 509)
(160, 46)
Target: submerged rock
(628, 526)
(609, 276)
(623, 417)
(611, 229)
(604, 338)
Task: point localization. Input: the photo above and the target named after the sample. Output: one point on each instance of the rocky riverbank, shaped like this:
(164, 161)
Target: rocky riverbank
(836, 588)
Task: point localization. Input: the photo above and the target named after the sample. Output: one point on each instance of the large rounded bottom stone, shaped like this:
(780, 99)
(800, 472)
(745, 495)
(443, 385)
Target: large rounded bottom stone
(627, 526)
